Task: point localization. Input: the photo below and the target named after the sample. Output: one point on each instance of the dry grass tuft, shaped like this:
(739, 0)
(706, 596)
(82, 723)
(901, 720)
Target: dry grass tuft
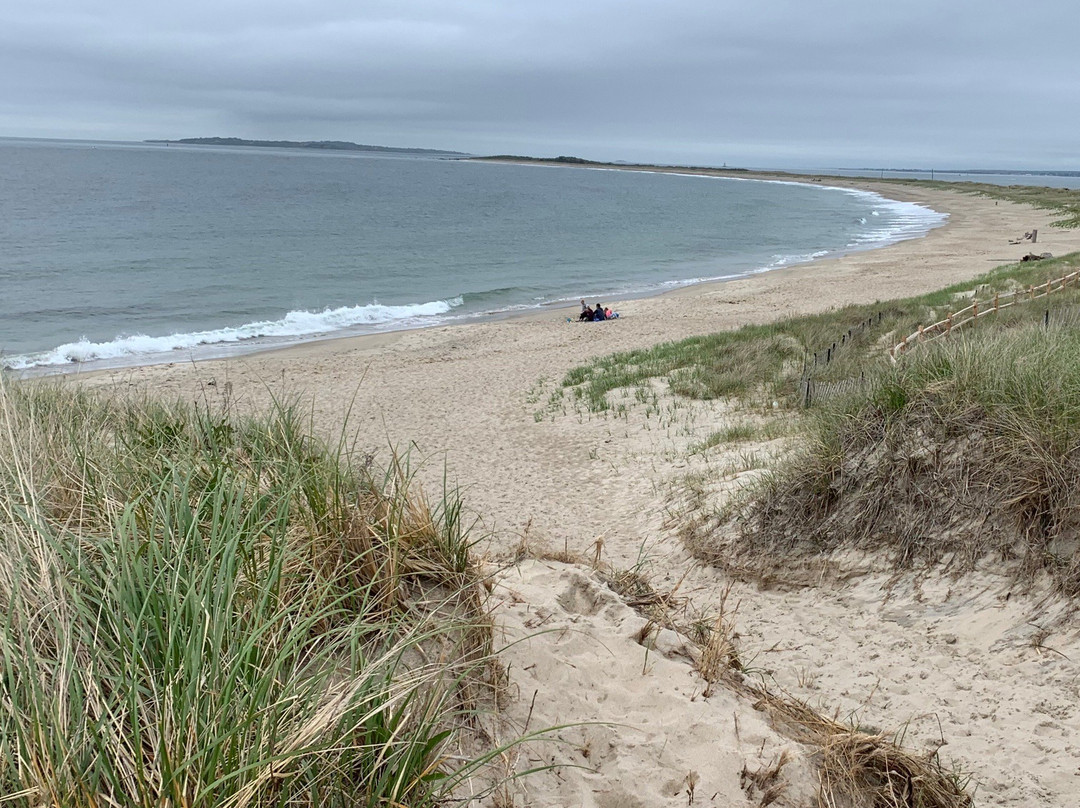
(527, 549)
(719, 653)
(857, 768)
(633, 584)
(968, 450)
(635, 587)
(766, 781)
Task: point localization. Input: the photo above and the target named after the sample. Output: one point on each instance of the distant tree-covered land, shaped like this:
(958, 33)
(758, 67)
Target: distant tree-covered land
(330, 145)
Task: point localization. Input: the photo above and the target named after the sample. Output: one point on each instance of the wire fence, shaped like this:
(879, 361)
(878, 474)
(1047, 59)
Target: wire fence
(810, 389)
(828, 353)
(814, 392)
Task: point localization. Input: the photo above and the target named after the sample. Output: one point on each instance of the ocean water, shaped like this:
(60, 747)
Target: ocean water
(119, 254)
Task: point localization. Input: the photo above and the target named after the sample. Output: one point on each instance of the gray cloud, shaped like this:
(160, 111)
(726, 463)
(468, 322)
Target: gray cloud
(774, 83)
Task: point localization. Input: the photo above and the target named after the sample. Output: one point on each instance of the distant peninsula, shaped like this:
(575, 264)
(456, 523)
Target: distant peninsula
(328, 145)
(581, 161)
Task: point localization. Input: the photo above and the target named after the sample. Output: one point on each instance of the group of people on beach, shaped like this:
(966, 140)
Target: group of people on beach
(597, 314)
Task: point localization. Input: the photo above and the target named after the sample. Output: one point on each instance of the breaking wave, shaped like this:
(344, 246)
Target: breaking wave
(295, 324)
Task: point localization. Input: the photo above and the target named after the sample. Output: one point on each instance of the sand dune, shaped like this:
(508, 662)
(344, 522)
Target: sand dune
(956, 663)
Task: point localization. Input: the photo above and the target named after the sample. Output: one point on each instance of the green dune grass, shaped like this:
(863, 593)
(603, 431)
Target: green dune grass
(206, 610)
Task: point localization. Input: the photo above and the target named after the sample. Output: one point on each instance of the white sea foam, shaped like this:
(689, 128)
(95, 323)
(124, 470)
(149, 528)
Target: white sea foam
(909, 220)
(295, 324)
(780, 261)
(904, 220)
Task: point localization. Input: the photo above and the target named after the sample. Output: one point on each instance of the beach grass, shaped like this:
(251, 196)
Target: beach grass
(745, 431)
(968, 449)
(206, 610)
(759, 364)
(963, 449)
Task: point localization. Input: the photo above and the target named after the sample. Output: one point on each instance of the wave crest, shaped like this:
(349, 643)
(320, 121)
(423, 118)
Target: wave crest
(294, 324)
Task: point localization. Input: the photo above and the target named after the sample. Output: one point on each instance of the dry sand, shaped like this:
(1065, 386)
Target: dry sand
(952, 661)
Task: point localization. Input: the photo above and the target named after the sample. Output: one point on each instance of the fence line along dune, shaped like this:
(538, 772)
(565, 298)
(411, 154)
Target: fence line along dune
(970, 314)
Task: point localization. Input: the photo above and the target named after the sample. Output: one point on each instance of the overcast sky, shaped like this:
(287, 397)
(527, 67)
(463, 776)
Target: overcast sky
(763, 83)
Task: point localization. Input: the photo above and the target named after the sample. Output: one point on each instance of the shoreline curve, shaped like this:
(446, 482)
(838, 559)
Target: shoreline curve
(229, 342)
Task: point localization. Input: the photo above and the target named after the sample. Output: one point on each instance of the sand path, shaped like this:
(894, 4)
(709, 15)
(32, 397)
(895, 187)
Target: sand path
(467, 398)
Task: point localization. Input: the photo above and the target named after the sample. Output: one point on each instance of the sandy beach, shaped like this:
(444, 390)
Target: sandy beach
(954, 662)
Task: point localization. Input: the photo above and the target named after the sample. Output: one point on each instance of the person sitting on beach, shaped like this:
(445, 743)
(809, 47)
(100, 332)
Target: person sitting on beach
(598, 315)
(609, 314)
(586, 312)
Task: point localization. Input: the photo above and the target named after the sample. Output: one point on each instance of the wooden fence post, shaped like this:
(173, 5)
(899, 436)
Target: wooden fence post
(1016, 296)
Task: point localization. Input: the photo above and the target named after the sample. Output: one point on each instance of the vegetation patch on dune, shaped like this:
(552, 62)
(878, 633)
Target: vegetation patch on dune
(204, 610)
(966, 449)
(765, 363)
